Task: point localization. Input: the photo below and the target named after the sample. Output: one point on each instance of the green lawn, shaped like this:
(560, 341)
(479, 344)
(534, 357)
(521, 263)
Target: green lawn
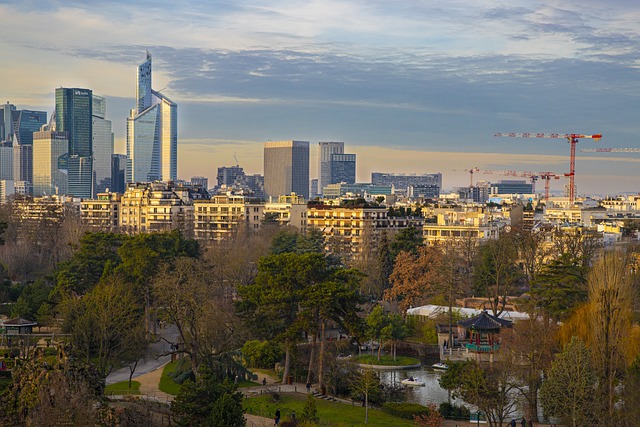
(330, 413)
(123, 388)
(372, 359)
(166, 382)
(247, 383)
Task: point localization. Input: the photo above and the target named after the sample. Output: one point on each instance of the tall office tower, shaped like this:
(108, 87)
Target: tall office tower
(229, 175)
(25, 123)
(74, 115)
(343, 169)
(7, 189)
(6, 161)
(50, 157)
(325, 150)
(286, 168)
(102, 145)
(118, 173)
(6, 121)
(152, 133)
(255, 183)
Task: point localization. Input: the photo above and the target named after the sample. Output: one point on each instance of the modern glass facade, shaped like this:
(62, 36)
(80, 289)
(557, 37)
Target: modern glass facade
(6, 121)
(74, 115)
(24, 124)
(118, 173)
(6, 161)
(102, 145)
(286, 168)
(325, 151)
(152, 133)
(343, 168)
(50, 152)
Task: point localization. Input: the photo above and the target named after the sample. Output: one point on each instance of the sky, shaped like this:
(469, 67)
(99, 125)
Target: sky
(410, 86)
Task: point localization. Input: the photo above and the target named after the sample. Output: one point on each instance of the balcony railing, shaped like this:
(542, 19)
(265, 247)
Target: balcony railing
(482, 348)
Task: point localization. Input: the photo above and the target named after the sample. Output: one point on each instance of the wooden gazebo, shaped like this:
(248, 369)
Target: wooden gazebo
(482, 334)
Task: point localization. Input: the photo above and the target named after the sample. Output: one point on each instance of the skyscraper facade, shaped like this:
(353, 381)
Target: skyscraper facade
(229, 175)
(325, 150)
(286, 168)
(74, 115)
(50, 156)
(152, 133)
(343, 168)
(118, 173)
(24, 124)
(6, 161)
(102, 145)
(6, 121)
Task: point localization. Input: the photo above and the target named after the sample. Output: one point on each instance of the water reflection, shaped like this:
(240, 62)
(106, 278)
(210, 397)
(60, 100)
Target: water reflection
(430, 393)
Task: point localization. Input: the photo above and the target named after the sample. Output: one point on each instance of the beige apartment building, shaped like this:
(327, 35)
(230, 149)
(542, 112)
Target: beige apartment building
(101, 213)
(217, 218)
(288, 211)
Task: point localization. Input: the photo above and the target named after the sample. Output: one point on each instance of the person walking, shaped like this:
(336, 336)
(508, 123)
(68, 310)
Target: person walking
(513, 422)
(523, 423)
(308, 387)
(277, 418)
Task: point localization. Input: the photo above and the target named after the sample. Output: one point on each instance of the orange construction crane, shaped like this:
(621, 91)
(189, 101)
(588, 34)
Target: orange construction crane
(533, 176)
(471, 172)
(572, 139)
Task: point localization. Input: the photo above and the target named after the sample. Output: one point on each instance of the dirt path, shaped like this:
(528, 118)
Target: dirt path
(149, 383)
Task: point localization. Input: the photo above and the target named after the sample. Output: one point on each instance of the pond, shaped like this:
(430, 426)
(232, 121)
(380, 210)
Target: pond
(430, 393)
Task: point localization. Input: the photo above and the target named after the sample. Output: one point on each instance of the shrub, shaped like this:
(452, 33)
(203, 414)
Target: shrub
(454, 412)
(405, 410)
(261, 354)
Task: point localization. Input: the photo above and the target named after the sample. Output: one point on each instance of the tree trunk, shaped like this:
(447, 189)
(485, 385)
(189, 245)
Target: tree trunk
(312, 356)
(321, 357)
(132, 369)
(287, 361)
(366, 407)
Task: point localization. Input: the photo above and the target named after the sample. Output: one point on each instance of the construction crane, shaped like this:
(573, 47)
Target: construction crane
(471, 172)
(611, 150)
(533, 176)
(572, 139)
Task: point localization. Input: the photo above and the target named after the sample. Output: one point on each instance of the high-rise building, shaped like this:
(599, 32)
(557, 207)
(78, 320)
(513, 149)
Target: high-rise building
(202, 181)
(74, 115)
(6, 161)
(286, 168)
(229, 175)
(23, 124)
(343, 168)
(152, 133)
(6, 121)
(325, 150)
(118, 173)
(50, 155)
(102, 145)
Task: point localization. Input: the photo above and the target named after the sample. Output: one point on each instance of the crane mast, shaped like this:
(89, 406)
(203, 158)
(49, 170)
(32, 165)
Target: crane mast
(572, 139)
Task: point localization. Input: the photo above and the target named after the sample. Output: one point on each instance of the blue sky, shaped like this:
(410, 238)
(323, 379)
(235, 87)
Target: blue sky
(409, 86)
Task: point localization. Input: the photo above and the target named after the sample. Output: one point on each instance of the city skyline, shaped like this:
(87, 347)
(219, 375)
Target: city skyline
(415, 88)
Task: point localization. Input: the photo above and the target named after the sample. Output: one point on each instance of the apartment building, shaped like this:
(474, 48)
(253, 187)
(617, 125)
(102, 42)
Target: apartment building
(217, 218)
(101, 213)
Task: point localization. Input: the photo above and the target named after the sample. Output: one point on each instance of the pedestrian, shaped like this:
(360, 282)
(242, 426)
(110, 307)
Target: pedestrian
(264, 381)
(308, 387)
(293, 416)
(277, 419)
(523, 423)
(513, 422)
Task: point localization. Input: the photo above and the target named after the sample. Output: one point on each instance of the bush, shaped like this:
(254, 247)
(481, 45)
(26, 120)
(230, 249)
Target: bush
(261, 354)
(405, 410)
(454, 412)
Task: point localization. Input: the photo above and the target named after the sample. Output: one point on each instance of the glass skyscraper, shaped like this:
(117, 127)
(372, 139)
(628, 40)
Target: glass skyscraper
(50, 156)
(325, 150)
(74, 115)
(286, 168)
(23, 124)
(343, 169)
(152, 133)
(102, 145)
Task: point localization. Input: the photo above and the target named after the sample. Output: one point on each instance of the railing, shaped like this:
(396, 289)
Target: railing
(482, 348)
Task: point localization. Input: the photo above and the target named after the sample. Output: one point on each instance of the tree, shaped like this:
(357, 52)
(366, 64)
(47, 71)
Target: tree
(495, 271)
(530, 345)
(33, 296)
(376, 321)
(407, 240)
(309, 412)
(365, 383)
(490, 388)
(432, 419)
(610, 297)
(203, 313)
(416, 276)
(396, 330)
(106, 325)
(567, 394)
(208, 402)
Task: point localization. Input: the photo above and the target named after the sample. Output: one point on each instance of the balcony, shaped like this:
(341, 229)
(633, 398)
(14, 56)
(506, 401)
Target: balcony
(482, 348)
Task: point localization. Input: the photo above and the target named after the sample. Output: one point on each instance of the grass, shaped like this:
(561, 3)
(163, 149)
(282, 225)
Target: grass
(372, 359)
(166, 382)
(330, 413)
(123, 388)
(247, 383)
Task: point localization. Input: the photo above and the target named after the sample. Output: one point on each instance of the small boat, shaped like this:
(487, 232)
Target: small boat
(440, 365)
(413, 382)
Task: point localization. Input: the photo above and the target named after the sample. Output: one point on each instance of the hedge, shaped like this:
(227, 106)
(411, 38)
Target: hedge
(405, 410)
